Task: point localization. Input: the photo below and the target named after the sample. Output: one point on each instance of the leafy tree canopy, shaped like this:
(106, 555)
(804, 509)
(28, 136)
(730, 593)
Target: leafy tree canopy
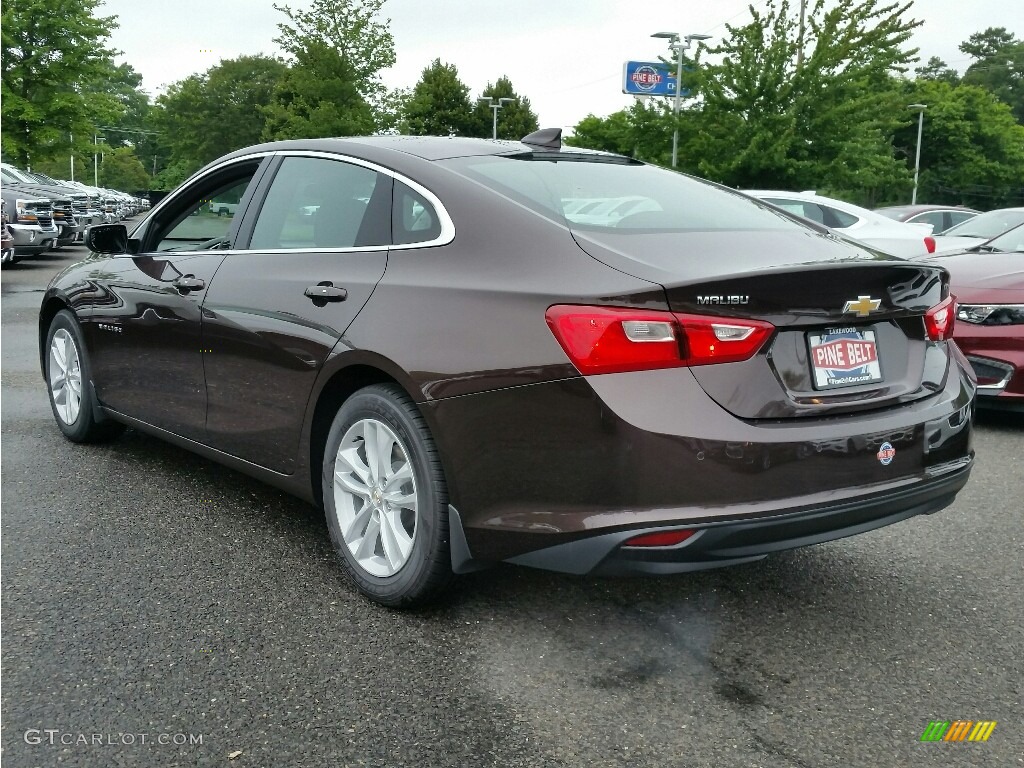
(936, 69)
(781, 111)
(515, 118)
(333, 87)
(439, 104)
(208, 115)
(999, 66)
(55, 69)
(122, 170)
(972, 148)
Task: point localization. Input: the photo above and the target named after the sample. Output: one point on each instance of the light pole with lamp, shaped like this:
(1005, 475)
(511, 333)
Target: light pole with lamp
(917, 160)
(678, 47)
(495, 105)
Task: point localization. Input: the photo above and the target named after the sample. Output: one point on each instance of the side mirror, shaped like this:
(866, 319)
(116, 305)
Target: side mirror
(107, 238)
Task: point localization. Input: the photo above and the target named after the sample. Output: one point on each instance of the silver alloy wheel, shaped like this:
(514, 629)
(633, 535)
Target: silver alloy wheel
(375, 497)
(65, 376)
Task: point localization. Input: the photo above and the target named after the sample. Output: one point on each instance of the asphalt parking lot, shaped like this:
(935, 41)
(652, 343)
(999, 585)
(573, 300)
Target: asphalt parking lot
(151, 594)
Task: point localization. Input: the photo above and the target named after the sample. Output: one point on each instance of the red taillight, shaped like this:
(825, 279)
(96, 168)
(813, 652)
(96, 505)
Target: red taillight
(660, 538)
(617, 339)
(721, 340)
(938, 321)
(929, 244)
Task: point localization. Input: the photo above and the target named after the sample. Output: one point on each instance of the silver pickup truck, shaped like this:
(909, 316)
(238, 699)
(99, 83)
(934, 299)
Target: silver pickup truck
(31, 222)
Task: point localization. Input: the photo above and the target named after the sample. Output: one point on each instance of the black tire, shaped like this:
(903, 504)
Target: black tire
(85, 427)
(427, 570)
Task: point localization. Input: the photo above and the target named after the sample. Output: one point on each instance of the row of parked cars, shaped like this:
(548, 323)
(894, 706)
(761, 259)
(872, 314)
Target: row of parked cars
(906, 230)
(42, 214)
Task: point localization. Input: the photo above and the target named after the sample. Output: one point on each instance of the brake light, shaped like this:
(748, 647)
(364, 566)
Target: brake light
(660, 538)
(929, 244)
(616, 339)
(938, 321)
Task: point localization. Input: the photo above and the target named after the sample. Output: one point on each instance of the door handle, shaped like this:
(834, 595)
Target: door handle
(326, 291)
(187, 283)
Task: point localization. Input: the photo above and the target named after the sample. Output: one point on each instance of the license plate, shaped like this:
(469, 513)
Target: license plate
(843, 357)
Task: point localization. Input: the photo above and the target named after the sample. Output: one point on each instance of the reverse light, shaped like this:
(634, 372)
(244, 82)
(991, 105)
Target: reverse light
(618, 339)
(939, 320)
(660, 538)
(991, 314)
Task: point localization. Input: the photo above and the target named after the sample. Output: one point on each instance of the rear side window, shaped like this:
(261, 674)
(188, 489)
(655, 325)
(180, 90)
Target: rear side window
(958, 217)
(839, 219)
(935, 218)
(320, 203)
(415, 220)
(589, 192)
(804, 208)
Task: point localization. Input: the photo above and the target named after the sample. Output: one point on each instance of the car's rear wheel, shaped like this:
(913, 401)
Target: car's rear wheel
(70, 386)
(385, 498)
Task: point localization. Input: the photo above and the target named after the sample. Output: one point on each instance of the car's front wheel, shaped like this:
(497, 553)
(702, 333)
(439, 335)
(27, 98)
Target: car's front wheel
(385, 498)
(68, 378)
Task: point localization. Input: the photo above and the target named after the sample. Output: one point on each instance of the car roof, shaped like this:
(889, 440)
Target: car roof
(423, 147)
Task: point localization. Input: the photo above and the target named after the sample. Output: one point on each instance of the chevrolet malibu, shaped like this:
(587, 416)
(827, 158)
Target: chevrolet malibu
(461, 371)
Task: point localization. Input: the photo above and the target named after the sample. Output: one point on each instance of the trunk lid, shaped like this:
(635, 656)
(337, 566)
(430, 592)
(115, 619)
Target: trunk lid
(850, 331)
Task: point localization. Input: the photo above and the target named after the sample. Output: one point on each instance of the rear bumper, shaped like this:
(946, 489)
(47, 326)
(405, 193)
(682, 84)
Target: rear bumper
(539, 473)
(716, 545)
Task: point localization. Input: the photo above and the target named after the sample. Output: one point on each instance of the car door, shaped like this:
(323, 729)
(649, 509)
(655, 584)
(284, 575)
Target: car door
(149, 360)
(314, 253)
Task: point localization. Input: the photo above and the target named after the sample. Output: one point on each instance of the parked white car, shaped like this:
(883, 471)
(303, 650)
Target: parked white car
(982, 227)
(873, 229)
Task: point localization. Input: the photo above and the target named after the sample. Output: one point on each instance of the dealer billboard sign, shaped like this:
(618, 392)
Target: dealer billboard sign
(649, 78)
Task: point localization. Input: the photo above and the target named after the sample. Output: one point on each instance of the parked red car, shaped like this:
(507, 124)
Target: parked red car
(988, 281)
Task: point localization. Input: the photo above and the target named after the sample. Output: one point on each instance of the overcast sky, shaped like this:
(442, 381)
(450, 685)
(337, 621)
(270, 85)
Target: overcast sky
(566, 56)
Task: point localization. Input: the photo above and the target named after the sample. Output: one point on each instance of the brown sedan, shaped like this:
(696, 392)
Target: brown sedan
(471, 351)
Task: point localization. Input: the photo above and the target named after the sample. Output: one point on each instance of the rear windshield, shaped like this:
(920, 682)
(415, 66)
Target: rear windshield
(592, 193)
(988, 224)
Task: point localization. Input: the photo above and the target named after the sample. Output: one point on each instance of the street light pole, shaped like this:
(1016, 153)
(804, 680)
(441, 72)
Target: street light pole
(917, 160)
(96, 159)
(678, 47)
(495, 105)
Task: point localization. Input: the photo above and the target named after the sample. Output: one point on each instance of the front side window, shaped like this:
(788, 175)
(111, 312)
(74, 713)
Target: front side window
(186, 222)
(316, 203)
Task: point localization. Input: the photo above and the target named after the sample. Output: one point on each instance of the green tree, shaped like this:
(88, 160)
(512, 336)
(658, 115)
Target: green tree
(333, 88)
(439, 104)
(998, 66)
(122, 170)
(972, 149)
(643, 131)
(811, 111)
(515, 119)
(172, 174)
(134, 127)
(936, 69)
(55, 64)
(208, 115)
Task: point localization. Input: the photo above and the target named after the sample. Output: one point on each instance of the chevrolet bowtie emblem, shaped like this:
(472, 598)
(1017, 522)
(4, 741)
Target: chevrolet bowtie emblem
(863, 306)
